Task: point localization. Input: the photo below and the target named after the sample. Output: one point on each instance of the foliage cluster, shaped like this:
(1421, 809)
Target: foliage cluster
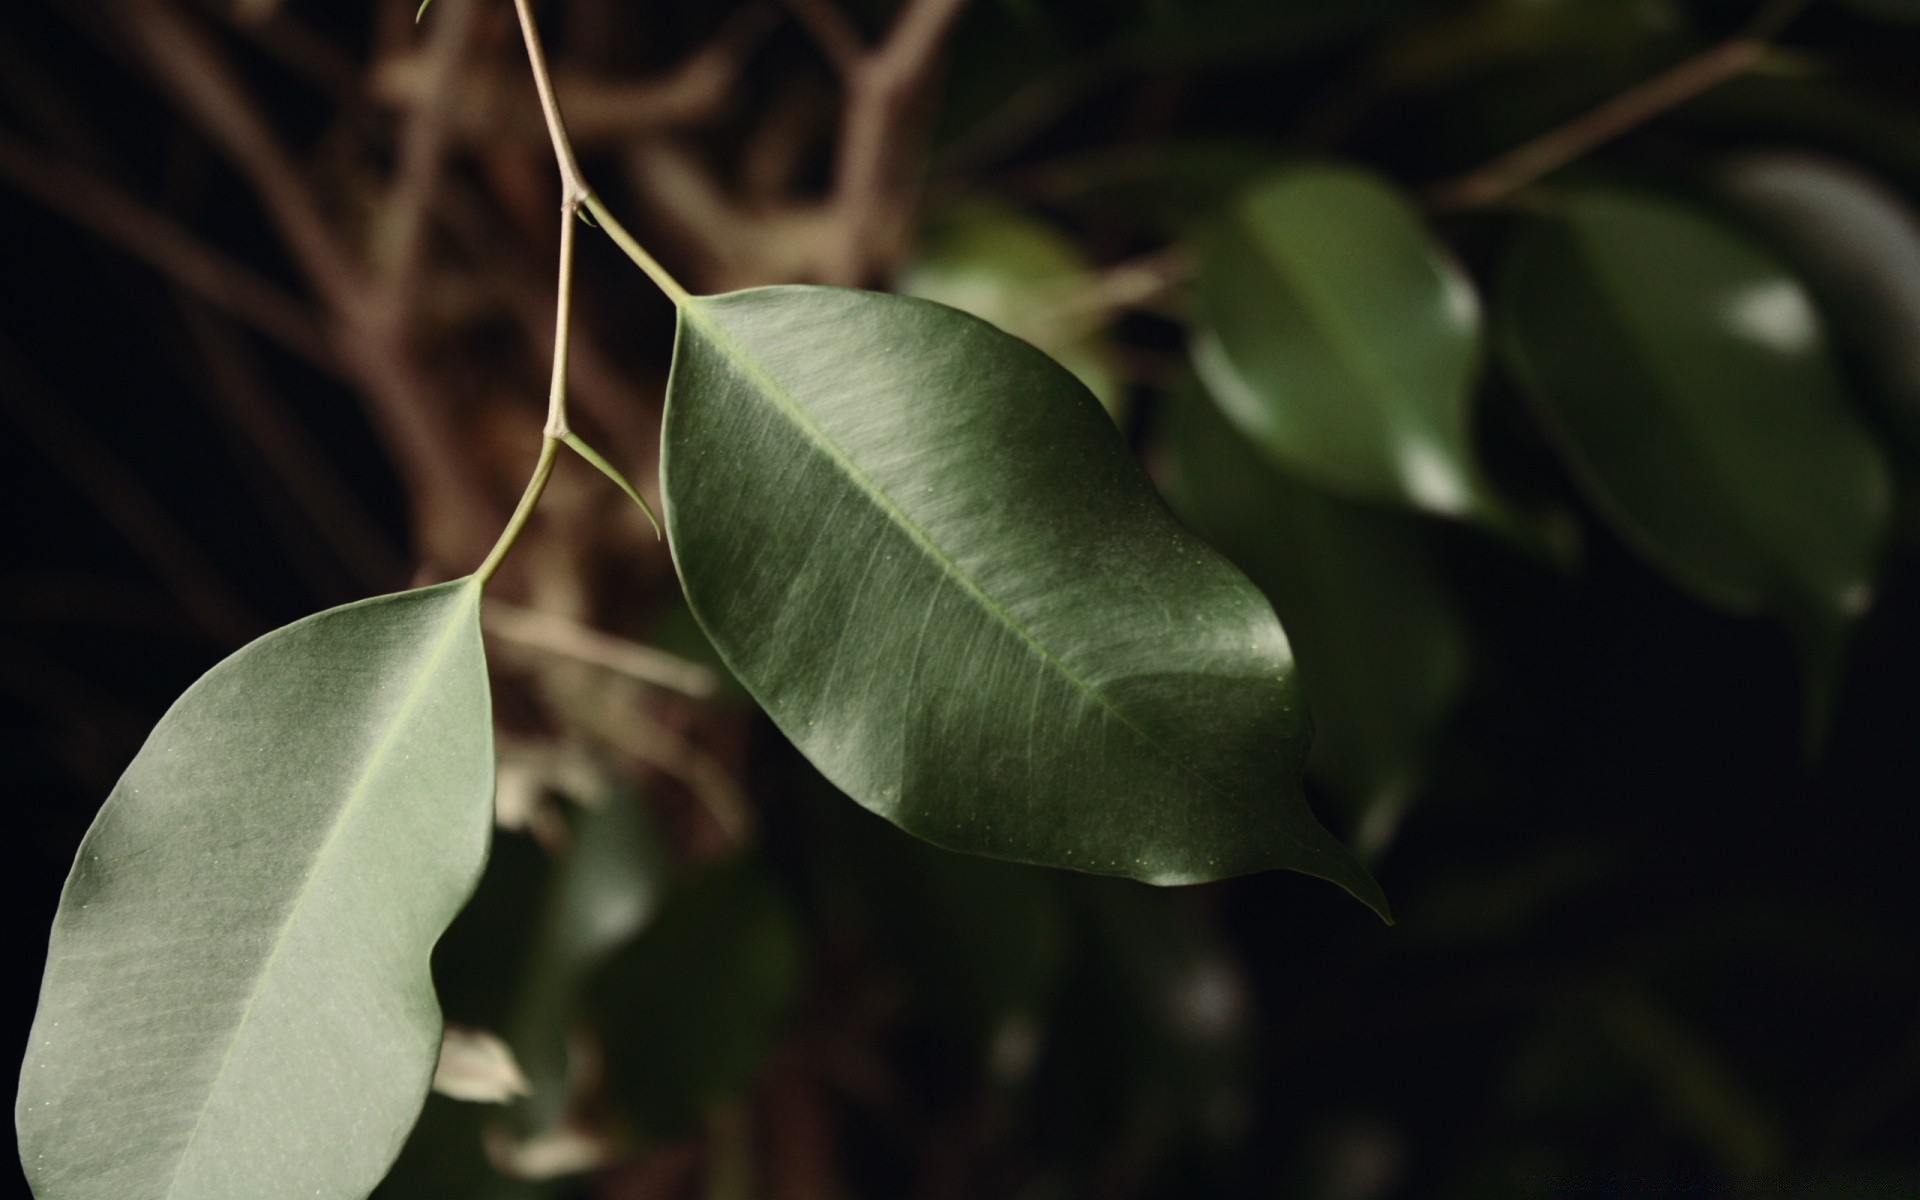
(1548, 370)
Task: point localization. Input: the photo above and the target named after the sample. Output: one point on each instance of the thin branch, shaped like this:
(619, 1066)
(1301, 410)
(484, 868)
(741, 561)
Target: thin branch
(573, 185)
(1133, 284)
(556, 635)
(168, 248)
(1619, 116)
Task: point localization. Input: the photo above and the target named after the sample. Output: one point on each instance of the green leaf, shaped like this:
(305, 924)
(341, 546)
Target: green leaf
(980, 944)
(1163, 1020)
(237, 1001)
(924, 549)
(1340, 337)
(1382, 644)
(1856, 241)
(690, 1011)
(1020, 274)
(1689, 382)
(606, 891)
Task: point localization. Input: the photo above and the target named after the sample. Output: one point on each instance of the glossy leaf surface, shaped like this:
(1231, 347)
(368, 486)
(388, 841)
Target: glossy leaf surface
(1340, 337)
(1382, 644)
(237, 1001)
(1690, 384)
(922, 546)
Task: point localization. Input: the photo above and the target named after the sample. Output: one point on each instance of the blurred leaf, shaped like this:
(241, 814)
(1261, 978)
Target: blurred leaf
(1342, 339)
(1382, 647)
(478, 1067)
(1898, 12)
(607, 888)
(237, 997)
(981, 943)
(1161, 1032)
(518, 960)
(919, 586)
(445, 1160)
(1017, 272)
(1820, 112)
(1225, 32)
(1699, 1090)
(1856, 242)
(690, 1011)
(1167, 186)
(1688, 379)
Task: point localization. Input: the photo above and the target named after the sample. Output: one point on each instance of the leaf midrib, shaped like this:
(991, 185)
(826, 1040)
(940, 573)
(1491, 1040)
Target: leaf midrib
(356, 796)
(798, 415)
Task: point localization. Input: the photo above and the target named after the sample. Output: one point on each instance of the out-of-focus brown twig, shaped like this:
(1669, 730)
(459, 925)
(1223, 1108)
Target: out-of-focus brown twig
(400, 234)
(119, 495)
(874, 185)
(299, 466)
(453, 512)
(555, 634)
(1618, 116)
(168, 248)
(192, 70)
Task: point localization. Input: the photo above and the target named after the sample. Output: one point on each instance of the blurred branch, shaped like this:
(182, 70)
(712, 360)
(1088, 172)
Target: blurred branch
(555, 634)
(452, 510)
(199, 79)
(168, 248)
(886, 89)
(1619, 116)
(298, 464)
(839, 42)
(206, 597)
(401, 230)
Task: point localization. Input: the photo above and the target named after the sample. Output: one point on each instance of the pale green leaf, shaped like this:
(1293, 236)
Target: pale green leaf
(1343, 340)
(237, 1002)
(925, 550)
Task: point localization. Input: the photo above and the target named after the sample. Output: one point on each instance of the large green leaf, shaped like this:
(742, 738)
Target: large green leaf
(922, 546)
(1342, 339)
(1382, 644)
(1689, 381)
(237, 1001)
